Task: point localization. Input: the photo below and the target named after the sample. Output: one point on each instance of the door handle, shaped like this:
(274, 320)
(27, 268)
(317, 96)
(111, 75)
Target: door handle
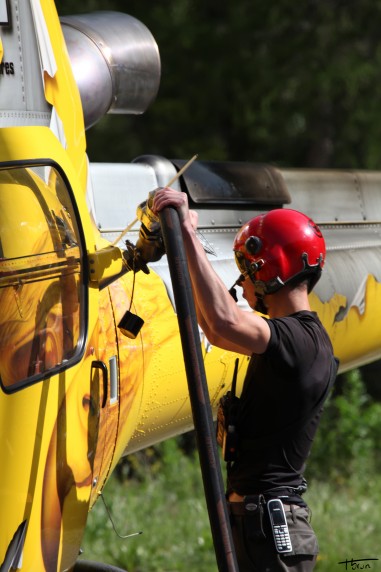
(100, 365)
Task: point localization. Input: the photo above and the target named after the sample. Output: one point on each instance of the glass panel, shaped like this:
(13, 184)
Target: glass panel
(40, 275)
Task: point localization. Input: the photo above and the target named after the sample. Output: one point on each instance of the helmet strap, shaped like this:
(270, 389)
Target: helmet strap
(260, 305)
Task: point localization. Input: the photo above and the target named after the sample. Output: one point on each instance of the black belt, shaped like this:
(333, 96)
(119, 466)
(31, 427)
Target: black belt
(240, 508)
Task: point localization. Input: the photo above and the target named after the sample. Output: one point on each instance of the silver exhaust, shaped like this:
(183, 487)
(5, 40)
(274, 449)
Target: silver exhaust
(115, 61)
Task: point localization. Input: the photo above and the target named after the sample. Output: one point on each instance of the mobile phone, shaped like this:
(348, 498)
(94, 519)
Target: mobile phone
(279, 526)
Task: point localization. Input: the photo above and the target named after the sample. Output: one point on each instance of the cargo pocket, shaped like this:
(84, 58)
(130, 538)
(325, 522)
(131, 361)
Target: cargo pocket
(303, 538)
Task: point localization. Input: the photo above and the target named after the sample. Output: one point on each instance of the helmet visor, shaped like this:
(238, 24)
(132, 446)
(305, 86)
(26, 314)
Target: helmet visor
(242, 263)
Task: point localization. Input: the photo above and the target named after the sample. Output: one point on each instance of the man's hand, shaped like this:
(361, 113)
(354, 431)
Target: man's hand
(167, 197)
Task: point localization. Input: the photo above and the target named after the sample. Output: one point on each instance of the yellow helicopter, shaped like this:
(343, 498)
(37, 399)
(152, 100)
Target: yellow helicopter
(91, 359)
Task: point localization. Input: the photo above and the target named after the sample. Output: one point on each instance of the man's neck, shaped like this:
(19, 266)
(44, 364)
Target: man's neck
(287, 301)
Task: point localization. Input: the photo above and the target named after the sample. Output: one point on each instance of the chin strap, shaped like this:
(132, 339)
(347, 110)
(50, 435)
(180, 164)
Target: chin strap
(260, 306)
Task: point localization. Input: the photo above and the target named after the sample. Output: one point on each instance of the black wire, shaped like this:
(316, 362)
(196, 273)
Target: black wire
(133, 283)
(112, 522)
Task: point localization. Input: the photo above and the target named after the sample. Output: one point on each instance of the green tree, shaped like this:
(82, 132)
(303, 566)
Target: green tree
(285, 82)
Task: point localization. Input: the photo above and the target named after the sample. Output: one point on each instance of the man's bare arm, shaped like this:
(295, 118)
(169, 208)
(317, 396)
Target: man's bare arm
(228, 326)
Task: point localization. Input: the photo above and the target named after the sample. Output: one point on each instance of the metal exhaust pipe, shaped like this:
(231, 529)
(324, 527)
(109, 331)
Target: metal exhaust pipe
(115, 61)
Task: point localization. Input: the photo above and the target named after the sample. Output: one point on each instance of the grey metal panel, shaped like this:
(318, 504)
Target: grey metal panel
(345, 271)
(327, 195)
(370, 186)
(353, 253)
(116, 190)
(22, 98)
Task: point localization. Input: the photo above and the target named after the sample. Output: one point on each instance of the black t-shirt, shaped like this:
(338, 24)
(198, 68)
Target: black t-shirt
(282, 386)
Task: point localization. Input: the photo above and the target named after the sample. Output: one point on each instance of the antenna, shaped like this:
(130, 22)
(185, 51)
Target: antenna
(234, 381)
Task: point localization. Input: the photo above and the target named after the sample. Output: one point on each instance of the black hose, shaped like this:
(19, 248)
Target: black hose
(198, 391)
(88, 566)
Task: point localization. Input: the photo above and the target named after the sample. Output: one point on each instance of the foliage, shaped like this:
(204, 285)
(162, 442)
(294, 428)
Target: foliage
(168, 506)
(349, 434)
(292, 83)
(346, 521)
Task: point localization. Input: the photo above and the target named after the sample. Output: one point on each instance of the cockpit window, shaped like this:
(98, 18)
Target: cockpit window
(41, 282)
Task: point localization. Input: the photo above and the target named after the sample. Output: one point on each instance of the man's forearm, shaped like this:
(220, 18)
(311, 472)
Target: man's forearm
(212, 298)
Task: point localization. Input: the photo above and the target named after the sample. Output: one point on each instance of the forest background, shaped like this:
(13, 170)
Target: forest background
(294, 84)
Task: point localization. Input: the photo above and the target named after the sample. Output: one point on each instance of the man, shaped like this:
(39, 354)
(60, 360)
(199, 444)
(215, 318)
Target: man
(280, 255)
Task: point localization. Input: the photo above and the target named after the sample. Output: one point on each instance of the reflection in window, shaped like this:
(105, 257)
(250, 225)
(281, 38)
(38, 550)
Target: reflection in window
(40, 275)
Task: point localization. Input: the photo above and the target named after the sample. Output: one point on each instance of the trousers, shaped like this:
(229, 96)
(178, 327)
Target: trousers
(259, 554)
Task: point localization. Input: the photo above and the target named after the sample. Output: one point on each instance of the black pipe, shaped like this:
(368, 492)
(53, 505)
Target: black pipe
(198, 391)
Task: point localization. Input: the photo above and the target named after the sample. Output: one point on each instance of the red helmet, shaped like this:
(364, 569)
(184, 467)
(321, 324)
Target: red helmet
(279, 247)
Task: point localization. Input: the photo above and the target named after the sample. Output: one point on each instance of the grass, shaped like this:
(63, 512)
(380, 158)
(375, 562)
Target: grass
(347, 523)
(168, 505)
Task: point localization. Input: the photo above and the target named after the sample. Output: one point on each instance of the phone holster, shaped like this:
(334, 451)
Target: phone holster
(254, 516)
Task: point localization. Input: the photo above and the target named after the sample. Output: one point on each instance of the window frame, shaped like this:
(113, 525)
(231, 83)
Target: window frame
(83, 285)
